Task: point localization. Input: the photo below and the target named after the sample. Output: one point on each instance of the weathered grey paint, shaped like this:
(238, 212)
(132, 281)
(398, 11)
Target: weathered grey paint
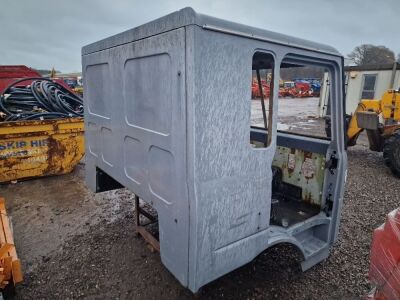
(171, 123)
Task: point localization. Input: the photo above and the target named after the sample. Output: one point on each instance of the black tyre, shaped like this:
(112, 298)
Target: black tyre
(391, 152)
(9, 291)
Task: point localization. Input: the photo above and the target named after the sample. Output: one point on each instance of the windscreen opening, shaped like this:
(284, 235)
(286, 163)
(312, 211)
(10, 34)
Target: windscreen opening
(302, 105)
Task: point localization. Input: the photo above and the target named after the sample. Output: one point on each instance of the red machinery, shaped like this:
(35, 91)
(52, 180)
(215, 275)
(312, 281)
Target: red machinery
(301, 89)
(385, 259)
(298, 89)
(10, 74)
(255, 91)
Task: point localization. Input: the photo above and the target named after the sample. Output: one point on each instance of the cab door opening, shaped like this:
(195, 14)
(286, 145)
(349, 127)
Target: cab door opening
(299, 163)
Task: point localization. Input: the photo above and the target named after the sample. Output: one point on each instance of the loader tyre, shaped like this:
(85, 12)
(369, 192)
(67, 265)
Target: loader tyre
(391, 152)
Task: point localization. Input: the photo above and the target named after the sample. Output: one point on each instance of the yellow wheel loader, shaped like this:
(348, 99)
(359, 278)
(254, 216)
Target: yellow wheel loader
(381, 120)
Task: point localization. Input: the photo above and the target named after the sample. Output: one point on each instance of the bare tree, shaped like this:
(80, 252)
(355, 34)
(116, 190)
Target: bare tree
(367, 54)
(398, 58)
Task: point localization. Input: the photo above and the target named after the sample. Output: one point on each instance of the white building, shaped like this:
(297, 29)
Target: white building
(363, 82)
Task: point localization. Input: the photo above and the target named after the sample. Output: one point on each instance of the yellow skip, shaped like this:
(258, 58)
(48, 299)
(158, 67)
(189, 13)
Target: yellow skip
(40, 147)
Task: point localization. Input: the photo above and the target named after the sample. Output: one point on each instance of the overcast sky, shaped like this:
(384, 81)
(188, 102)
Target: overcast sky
(47, 33)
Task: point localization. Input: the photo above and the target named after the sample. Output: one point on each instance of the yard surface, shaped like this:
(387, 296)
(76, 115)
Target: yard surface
(75, 244)
(297, 115)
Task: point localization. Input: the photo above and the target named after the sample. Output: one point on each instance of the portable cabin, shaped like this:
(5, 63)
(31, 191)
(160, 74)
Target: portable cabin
(363, 82)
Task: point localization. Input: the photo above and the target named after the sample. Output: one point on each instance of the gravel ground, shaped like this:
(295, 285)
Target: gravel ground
(75, 244)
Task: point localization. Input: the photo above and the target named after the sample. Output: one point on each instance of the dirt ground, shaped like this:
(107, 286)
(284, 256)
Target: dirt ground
(75, 244)
(295, 115)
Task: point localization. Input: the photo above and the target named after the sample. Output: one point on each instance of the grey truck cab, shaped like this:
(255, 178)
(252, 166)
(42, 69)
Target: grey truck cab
(168, 114)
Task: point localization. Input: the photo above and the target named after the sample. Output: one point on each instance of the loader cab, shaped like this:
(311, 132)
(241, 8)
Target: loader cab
(169, 115)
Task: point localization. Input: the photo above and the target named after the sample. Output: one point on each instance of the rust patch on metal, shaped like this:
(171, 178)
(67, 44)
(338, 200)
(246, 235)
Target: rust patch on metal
(306, 172)
(52, 153)
(141, 230)
(307, 155)
(390, 129)
(9, 163)
(30, 152)
(308, 197)
(39, 122)
(55, 124)
(291, 162)
(308, 168)
(23, 135)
